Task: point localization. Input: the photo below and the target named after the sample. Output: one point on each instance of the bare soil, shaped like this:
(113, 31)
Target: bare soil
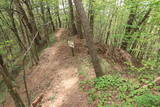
(56, 76)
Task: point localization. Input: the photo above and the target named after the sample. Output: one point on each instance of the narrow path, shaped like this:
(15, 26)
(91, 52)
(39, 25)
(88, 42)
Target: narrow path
(63, 90)
(57, 77)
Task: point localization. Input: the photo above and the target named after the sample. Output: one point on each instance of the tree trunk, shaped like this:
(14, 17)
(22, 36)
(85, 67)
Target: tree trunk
(65, 13)
(31, 28)
(50, 18)
(79, 26)
(109, 29)
(72, 21)
(17, 100)
(45, 23)
(128, 30)
(57, 13)
(89, 37)
(91, 14)
(32, 21)
(15, 31)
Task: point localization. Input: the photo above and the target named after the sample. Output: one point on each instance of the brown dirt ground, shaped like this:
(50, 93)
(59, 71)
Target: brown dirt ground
(56, 76)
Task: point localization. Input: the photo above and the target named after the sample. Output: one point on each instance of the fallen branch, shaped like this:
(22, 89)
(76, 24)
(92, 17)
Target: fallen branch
(37, 100)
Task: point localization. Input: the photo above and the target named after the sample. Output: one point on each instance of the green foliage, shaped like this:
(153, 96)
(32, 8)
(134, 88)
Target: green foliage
(4, 3)
(109, 87)
(107, 82)
(149, 66)
(110, 22)
(4, 44)
(148, 100)
(52, 39)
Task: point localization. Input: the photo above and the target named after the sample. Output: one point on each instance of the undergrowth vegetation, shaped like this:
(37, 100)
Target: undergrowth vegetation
(123, 89)
(114, 90)
(119, 30)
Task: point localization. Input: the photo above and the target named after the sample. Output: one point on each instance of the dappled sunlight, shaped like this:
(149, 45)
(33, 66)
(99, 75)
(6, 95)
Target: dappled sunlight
(65, 92)
(67, 84)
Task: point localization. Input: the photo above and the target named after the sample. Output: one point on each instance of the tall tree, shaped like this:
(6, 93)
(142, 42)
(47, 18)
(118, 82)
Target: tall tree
(72, 21)
(56, 4)
(78, 26)
(29, 26)
(50, 17)
(32, 21)
(8, 81)
(15, 30)
(128, 30)
(89, 37)
(91, 13)
(131, 29)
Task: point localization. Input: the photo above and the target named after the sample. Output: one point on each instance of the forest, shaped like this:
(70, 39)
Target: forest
(79, 53)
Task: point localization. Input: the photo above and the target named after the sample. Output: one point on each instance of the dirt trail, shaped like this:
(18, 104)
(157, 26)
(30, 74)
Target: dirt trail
(56, 76)
(63, 90)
